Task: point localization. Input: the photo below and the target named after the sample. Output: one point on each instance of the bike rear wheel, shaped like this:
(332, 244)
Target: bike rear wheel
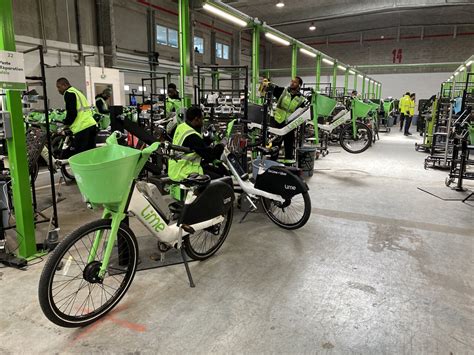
(205, 243)
(291, 214)
(360, 143)
(70, 294)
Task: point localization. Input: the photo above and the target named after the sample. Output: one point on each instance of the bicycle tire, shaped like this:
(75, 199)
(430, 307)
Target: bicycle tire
(190, 241)
(54, 266)
(266, 203)
(347, 131)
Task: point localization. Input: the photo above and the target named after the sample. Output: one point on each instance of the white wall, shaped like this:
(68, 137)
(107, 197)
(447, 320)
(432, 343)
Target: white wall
(424, 85)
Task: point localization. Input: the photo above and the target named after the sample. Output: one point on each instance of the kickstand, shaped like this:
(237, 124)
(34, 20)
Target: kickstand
(188, 272)
(253, 208)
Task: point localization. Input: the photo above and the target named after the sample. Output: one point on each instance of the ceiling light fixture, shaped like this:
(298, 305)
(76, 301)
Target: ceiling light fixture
(352, 72)
(366, 79)
(305, 51)
(328, 61)
(462, 69)
(277, 39)
(280, 4)
(224, 15)
(469, 63)
(341, 67)
(360, 76)
(312, 27)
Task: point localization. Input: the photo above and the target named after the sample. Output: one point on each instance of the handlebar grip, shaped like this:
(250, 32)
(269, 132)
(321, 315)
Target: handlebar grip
(180, 148)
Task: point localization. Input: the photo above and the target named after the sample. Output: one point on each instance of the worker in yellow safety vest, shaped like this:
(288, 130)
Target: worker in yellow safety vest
(404, 107)
(101, 102)
(79, 116)
(288, 100)
(188, 134)
(173, 107)
(410, 114)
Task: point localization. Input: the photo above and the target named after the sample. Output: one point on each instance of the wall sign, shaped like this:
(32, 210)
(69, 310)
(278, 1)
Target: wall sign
(12, 71)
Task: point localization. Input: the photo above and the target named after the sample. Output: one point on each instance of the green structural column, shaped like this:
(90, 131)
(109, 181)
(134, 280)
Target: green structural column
(255, 63)
(318, 72)
(294, 60)
(346, 81)
(363, 87)
(186, 78)
(17, 157)
(334, 78)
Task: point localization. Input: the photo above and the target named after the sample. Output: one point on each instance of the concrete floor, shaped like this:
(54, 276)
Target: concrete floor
(380, 268)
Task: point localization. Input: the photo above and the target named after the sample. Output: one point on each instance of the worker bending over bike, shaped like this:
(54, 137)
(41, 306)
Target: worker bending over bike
(200, 161)
(289, 99)
(79, 116)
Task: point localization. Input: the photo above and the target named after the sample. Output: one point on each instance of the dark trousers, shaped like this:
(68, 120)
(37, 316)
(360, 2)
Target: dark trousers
(288, 140)
(402, 119)
(407, 123)
(85, 139)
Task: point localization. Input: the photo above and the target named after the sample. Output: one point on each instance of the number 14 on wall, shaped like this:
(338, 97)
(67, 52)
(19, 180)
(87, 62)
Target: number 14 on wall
(397, 55)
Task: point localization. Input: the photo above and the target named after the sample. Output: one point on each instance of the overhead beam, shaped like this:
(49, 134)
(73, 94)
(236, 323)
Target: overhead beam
(392, 8)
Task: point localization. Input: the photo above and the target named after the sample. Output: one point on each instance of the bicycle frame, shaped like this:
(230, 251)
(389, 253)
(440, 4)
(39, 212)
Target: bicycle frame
(247, 186)
(138, 205)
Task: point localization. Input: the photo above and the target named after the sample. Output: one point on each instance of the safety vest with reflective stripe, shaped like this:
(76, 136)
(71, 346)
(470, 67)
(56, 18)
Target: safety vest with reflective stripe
(287, 105)
(105, 107)
(84, 118)
(404, 104)
(411, 109)
(189, 163)
(173, 105)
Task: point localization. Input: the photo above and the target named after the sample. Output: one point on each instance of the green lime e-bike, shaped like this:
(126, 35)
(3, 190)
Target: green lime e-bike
(91, 269)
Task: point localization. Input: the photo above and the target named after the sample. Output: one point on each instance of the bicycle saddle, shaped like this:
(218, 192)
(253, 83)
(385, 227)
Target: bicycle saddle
(196, 180)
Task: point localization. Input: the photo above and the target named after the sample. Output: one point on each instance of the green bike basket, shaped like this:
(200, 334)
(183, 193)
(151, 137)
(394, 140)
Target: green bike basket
(324, 105)
(104, 174)
(360, 109)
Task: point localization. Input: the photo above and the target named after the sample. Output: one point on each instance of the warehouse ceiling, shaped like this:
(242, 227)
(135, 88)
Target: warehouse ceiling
(348, 16)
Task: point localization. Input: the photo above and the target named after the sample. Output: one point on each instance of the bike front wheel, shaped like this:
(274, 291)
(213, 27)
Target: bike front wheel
(70, 292)
(205, 243)
(362, 140)
(291, 214)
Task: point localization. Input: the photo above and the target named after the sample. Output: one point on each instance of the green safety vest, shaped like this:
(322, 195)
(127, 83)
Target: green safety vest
(189, 163)
(404, 104)
(84, 118)
(286, 106)
(173, 105)
(104, 103)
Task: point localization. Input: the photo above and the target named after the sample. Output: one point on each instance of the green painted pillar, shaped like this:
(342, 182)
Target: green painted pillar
(255, 63)
(17, 157)
(294, 60)
(184, 38)
(346, 82)
(363, 87)
(334, 78)
(318, 72)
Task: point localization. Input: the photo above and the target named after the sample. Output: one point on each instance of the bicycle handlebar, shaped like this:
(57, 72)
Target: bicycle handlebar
(178, 148)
